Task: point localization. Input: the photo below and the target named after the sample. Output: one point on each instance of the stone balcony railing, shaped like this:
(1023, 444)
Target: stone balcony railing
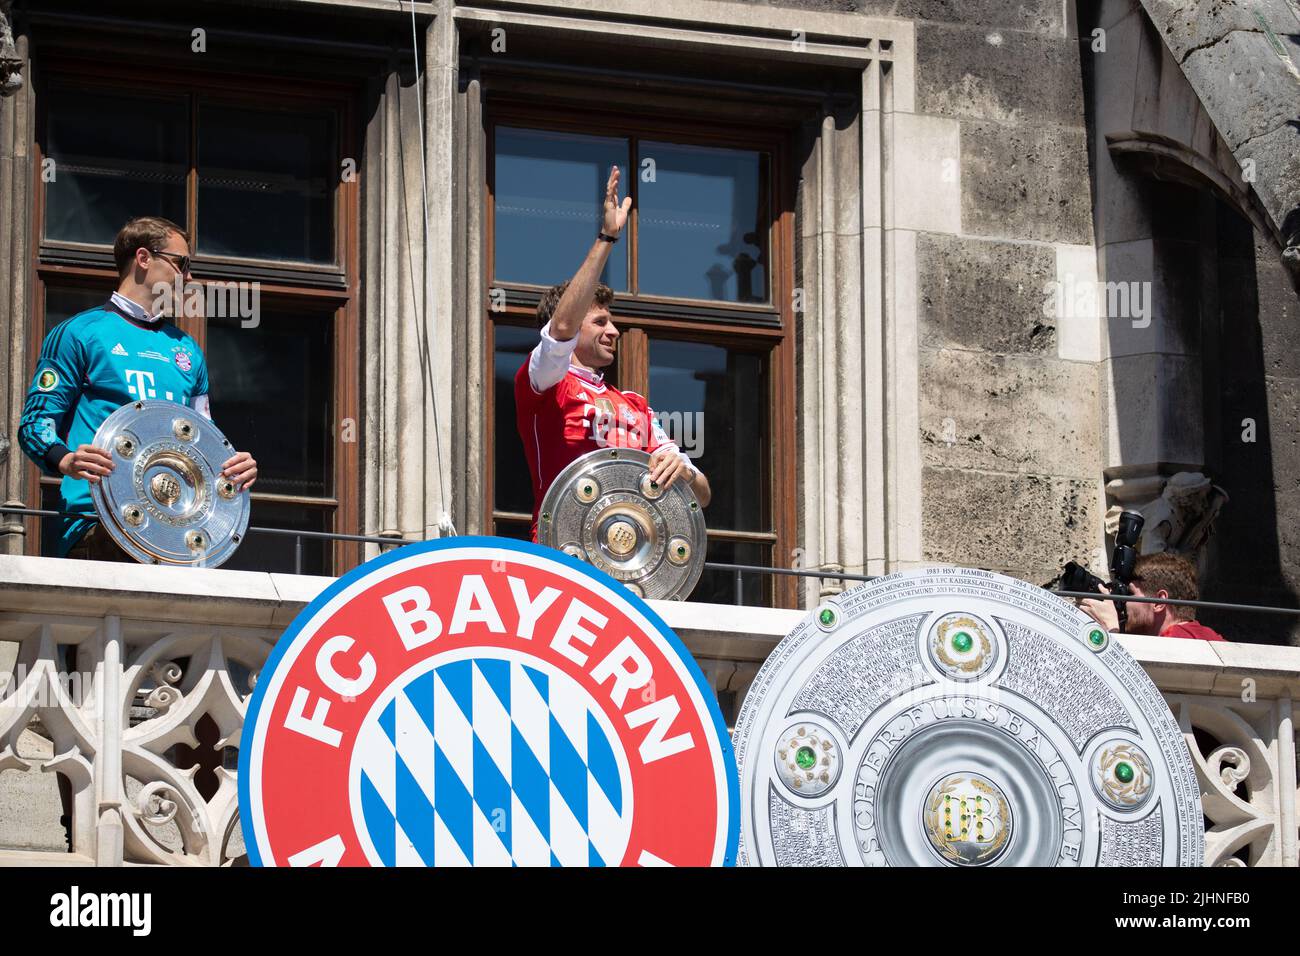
(123, 687)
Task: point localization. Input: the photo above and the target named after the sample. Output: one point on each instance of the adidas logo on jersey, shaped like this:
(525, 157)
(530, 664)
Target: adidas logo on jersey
(118, 350)
(584, 396)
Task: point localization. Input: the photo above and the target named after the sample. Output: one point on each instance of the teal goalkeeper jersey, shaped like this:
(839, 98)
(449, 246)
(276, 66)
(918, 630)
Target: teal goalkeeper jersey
(90, 366)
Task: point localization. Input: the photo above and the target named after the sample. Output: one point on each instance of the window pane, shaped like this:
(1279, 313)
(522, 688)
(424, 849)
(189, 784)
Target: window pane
(514, 487)
(519, 530)
(266, 184)
(713, 402)
(550, 191)
(273, 396)
(115, 157)
(63, 304)
(275, 552)
(719, 587)
(702, 223)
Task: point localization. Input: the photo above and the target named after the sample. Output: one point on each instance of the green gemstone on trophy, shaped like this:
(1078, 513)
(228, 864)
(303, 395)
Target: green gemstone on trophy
(681, 551)
(962, 642)
(1097, 637)
(806, 758)
(827, 616)
(1123, 772)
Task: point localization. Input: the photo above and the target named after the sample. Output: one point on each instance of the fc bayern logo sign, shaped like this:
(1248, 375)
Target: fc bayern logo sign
(484, 702)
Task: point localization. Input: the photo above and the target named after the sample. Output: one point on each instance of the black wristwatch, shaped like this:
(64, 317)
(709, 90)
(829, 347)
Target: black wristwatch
(603, 237)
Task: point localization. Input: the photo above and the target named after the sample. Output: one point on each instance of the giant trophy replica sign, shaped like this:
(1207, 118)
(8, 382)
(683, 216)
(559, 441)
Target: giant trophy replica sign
(604, 509)
(166, 501)
(480, 701)
(952, 717)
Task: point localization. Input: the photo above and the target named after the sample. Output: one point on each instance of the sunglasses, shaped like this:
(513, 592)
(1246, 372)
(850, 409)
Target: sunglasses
(180, 262)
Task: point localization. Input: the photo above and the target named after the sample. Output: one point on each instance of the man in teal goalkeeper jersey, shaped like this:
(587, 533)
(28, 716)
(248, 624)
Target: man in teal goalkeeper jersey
(96, 362)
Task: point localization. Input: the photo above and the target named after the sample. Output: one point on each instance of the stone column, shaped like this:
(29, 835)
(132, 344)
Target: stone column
(442, 330)
(857, 344)
(830, 346)
(393, 298)
(1153, 285)
(408, 282)
(16, 133)
(468, 171)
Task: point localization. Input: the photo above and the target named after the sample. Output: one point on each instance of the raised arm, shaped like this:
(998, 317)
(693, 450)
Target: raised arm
(575, 302)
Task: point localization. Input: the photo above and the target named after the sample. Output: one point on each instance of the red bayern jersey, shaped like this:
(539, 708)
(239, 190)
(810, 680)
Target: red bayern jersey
(578, 414)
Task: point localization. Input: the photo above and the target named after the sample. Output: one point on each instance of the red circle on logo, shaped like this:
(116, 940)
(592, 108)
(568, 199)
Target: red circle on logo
(487, 702)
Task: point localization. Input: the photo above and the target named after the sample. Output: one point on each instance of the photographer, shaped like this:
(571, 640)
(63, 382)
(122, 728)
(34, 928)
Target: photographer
(1158, 576)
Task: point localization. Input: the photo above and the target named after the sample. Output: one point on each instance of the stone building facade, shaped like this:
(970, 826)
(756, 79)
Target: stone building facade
(1037, 255)
(1027, 262)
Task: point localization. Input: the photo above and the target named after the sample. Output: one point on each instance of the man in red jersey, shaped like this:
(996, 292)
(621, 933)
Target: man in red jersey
(564, 408)
(1160, 575)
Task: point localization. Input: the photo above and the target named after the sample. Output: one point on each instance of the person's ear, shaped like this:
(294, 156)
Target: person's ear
(142, 258)
(1162, 593)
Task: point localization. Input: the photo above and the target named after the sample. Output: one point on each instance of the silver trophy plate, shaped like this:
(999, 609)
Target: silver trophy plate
(605, 510)
(953, 717)
(166, 501)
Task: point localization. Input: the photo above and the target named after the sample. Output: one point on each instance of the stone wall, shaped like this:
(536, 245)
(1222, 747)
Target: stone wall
(974, 175)
(1021, 416)
(1009, 401)
(1009, 407)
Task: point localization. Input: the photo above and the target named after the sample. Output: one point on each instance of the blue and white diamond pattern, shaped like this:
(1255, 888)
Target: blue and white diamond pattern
(491, 761)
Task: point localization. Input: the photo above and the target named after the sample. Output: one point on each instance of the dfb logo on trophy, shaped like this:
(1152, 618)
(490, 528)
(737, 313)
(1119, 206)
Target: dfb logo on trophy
(481, 701)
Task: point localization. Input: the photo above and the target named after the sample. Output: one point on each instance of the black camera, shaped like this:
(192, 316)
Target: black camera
(1122, 560)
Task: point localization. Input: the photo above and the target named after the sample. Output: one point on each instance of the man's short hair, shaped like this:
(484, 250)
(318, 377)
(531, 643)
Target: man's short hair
(143, 232)
(1171, 573)
(551, 298)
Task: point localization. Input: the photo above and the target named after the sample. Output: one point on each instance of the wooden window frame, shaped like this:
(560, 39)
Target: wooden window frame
(332, 289)
(766, 327)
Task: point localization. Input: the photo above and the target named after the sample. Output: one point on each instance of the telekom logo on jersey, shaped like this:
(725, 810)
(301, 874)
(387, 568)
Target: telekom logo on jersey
(626, 668)
(140, 384)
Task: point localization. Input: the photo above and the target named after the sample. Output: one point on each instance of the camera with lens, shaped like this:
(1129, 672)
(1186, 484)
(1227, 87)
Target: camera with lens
(1074, 577)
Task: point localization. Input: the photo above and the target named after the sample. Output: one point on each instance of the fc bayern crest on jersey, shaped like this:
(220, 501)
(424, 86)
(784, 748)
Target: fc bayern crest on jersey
(484, 702)
(183, 360)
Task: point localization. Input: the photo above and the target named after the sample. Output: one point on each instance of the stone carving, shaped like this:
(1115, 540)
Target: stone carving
(64, 676)
(150, 791)
(1235, 749)
(11, 64)
(1179, 510)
